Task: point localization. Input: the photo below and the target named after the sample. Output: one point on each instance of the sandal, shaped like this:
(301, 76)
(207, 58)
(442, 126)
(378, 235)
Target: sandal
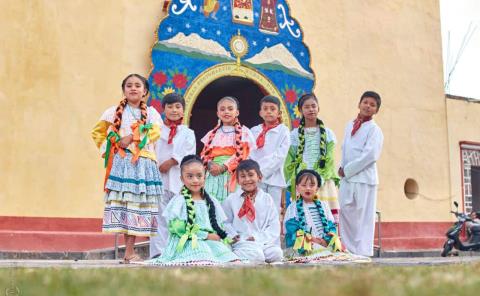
(132, 259)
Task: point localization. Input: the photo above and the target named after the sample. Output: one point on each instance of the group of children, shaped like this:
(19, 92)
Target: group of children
(226, 205)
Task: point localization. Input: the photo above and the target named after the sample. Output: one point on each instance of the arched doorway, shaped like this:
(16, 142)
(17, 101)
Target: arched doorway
(204, 116)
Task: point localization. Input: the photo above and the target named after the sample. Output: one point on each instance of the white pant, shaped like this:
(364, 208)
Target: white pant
(357, 216)
(276, 193)
(257, 253)
(159, 241)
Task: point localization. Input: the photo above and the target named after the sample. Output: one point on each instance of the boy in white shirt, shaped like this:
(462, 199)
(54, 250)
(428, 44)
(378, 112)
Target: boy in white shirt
(362, 145)
(252, 220)
(273, 142)
(176, 141)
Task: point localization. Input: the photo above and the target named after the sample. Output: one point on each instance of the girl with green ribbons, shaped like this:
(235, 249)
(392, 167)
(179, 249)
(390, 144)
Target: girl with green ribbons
(195, 223)
(312, 147)
(309, 226)
(126, 136)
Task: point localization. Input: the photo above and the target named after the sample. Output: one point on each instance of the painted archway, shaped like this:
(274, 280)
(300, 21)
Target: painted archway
(202, 40)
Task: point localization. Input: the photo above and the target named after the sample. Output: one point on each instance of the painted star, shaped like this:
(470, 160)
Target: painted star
(187, 25)
(169, 29)
(203, 30)
(224, 8)
(256, 14)
(254, 43)
(302, 53)
(288, 43)
(219, 33)
(268, 39)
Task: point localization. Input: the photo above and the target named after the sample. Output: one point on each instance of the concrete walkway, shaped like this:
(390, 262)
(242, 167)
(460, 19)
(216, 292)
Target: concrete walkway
(75, 264)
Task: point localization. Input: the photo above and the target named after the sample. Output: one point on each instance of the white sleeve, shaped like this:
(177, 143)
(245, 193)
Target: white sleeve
(184, 145)
(154, 117)
(229, 214)
(345, 135)
(247, 137)
(328, 211)
(272, 230)
(370, 154)
(290, 213)
(275, 160)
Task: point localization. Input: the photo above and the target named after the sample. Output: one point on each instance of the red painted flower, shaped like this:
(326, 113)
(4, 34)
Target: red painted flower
(290, 96)
(159, 78)
(157, 105)
(179, 80)
(296, 122)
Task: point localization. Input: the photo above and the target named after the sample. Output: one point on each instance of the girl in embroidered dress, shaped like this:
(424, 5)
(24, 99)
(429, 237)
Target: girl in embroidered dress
(225, 146)
(252, 218)
(126, 136)
(309, 226)
(176, 141)
(312, 147)
(194, 223)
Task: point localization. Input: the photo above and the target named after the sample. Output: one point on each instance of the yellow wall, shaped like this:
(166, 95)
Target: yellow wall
(463, 125)
(62, 62)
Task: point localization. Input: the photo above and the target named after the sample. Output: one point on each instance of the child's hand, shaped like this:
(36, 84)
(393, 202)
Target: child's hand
(213, 236)
(125, 141)
(251, 239)
(341, 173)
(235, 239)
(167, 165)
(319, 241)
(216, 169)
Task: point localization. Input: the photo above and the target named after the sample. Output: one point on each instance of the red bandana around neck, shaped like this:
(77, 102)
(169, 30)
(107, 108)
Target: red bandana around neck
(357, 123)
(265, 129)
(173, 128)
(248, 208)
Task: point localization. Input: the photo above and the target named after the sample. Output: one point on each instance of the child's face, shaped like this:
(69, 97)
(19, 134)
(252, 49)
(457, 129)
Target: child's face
(269, 112)
(134, 90)
(227, 112)
(248, 180)
(174, 111)
(310, 109)
(368, 107)
(193, 176)
(307, 188)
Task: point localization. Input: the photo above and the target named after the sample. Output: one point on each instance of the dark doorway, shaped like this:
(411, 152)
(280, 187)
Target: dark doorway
(475, 174)
(204, 111)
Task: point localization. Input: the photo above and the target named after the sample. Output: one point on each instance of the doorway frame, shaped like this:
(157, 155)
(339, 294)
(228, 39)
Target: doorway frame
(469, 156)
(237, 70)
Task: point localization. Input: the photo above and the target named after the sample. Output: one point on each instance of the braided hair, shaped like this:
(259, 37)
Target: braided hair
(187, 194)
(207, 149)
(301, 136)
(327, 225)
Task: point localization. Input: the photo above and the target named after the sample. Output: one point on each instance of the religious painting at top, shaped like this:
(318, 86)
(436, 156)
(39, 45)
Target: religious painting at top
(208, 36)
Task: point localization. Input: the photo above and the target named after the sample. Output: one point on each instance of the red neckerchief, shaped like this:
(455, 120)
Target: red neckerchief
(265, 129)
(248, 208)
(173, 128)
(357, 123)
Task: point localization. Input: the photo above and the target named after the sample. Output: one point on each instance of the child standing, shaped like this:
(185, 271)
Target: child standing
(252, 219)
(126, 135)
(194, 219)
(313, 146)
(309, 226)
(273, 142)
(176, 141)
(363, 141)
(225, 146)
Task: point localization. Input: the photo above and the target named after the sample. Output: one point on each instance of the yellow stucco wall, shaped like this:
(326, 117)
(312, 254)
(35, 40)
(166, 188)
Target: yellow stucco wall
(62, 62)
(463, 125)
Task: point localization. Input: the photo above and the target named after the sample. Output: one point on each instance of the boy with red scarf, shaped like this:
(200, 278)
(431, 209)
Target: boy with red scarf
(176, 141)
(362, 145)
(273, 142)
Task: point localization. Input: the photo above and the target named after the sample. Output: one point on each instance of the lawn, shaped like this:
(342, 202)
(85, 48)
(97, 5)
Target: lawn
(360, 280)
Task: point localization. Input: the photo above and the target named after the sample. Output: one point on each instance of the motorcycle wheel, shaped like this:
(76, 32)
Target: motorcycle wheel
(447, 247)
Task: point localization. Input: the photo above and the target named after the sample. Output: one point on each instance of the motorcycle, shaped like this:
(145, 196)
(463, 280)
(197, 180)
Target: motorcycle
(453, 234)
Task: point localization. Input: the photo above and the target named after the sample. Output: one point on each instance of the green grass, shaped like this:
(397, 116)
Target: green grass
(337, 280)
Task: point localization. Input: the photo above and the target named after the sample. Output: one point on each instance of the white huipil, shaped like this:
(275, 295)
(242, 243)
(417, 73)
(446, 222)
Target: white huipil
(265, 228)
(358, 189)
(182, 145)
(271, 158)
